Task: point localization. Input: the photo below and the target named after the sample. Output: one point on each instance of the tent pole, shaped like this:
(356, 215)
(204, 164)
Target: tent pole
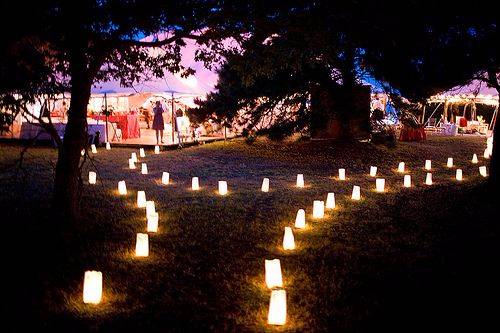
(106, 114)
(423, 113)
(173, 118)
(494, 118)
(432, 113)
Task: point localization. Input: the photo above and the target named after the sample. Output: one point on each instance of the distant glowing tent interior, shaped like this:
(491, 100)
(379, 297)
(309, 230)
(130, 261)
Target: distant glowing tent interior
(472, 108)
(129, 107)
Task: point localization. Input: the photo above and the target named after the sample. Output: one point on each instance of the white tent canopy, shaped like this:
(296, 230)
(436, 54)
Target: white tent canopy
(197, 85)
(476, 91)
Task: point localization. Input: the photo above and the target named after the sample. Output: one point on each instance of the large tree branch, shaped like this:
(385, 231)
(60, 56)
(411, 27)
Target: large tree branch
(159, 43)
(47, 126)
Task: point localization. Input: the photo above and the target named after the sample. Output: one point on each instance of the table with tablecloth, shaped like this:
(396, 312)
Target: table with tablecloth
(412, 134)
(30, 131)
(128, 124)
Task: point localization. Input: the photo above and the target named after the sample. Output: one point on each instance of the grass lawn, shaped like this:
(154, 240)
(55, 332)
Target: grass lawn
(415, 259)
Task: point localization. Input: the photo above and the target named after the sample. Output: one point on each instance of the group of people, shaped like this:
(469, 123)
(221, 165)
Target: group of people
(159, 125)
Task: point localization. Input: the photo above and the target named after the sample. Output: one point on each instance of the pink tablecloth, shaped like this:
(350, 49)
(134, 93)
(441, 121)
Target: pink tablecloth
(129, 124)
(412, 134)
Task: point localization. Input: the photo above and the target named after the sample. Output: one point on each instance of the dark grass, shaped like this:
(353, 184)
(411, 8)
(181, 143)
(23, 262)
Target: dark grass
(414, 259)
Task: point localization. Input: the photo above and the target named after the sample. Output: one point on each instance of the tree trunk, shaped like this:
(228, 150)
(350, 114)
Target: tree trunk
(494, 178)
(67, 181)
(495, 156)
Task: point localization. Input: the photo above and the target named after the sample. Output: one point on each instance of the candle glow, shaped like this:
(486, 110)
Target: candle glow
(152, 225)
(277, 308)
(92, 177)
(142, 245)
(222, 187)
(273, 273)
(141, 199)
(482, 171)
(356, 193)
(150, 207)
(265, 185)
(300, 219)
(131, 164)
(288, 239)
(380, 184)
(401, 167)
(318, 209)
(341, 174)
(407, 181)
(92, 287)
(300, 180)
(122, 187)
(165, 178)
(195, 184)
(330, 201)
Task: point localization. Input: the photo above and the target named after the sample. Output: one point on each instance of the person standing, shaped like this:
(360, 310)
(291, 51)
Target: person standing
(178, 122)
(158, 124)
